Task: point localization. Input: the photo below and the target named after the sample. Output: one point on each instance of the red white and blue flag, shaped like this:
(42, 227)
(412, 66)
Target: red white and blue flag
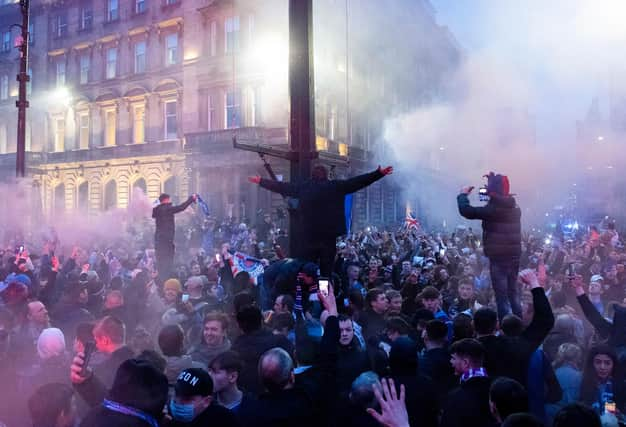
(411, 222)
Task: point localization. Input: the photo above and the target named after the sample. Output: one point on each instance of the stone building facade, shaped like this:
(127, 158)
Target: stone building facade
(150, 93)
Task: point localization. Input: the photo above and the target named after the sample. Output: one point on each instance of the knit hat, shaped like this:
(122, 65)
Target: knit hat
(172, 284)
(51, 342)
(498, 184)
(193, 382)
(21, 278)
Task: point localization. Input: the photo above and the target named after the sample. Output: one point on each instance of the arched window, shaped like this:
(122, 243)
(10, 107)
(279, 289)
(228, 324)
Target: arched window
(82, 197)
(169, 187)
(141, 185)
(110, 195)
(59, 199)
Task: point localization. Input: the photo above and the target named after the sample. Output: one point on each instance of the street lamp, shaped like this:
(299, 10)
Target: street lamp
(22, 102)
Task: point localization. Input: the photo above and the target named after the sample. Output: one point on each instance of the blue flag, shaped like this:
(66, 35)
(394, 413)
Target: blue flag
(203, 206)
(347, 205)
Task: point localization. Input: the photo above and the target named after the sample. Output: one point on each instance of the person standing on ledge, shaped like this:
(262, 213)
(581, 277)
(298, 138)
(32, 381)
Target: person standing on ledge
(163, 215)
(321, 211)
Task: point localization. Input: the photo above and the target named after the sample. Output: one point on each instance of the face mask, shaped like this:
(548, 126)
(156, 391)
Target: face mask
(180, 412)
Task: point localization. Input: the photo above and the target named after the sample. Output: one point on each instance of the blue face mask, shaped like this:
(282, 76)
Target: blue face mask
(182, 412)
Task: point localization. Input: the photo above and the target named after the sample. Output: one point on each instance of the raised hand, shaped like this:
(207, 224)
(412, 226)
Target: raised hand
(467, 190)
(393, 408)
(385, 171)
(256, 179)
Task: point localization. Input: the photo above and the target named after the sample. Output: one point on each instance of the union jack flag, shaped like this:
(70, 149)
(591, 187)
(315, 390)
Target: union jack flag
(411, 222)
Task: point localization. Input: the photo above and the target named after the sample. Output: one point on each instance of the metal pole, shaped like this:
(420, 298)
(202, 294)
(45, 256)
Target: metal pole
(301, 100)
(22, 103)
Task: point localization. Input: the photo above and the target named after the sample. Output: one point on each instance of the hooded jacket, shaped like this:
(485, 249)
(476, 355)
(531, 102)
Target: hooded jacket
(501, 223)
(164, 217)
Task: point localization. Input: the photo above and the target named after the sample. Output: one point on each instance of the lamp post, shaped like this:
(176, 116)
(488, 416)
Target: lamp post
(22, 103)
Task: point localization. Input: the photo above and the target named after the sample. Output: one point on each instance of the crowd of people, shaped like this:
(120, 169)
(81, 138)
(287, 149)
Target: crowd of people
(409, 332)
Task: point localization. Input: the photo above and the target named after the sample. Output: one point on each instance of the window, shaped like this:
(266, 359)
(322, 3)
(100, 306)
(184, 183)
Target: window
(85, 65)
(213, 39)
(60, 73)
(82, 202)
(110, 127)
(113, 10)
(171, 49)
(4, 87)
(170, 2)
(139, 123)
(210, 113)
(231, 28)
(140, 57)
(233, 109)
(31, 33)
(86, 18)
(111, 70)
(140, 6)
(171, 122)
(254, 109)
(110, 195)
(6, 41)
(83, 130)
(61, 25)
(59, 134)
(3, 139)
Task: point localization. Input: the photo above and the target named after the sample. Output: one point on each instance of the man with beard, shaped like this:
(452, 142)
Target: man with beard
(321, 211)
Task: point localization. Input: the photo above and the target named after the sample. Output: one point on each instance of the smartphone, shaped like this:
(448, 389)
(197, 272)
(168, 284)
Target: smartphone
(323, 284)
(218, 258)
(442, 252)
(571, 270)
(185, 298)
(483, 196)
(610, 407)
(90, 347)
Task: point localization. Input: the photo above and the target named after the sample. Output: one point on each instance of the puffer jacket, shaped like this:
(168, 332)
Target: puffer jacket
(502, 229)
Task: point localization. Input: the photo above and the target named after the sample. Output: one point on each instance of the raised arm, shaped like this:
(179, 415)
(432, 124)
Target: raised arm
(283, 188)
(468, 211)
(352, 185)
(543, 320)
(601, 325)
(183, 206)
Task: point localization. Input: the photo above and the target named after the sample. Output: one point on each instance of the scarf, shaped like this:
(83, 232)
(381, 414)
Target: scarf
(473, 373)
(131, 412)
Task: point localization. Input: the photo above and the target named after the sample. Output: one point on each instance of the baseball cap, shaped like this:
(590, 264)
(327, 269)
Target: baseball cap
(193, 382)
(596, 278)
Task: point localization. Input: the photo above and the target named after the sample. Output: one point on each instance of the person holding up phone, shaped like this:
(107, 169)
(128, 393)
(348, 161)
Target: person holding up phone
(502, 238)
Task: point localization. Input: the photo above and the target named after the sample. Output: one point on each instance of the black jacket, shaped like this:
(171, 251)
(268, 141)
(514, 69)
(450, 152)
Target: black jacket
(250, 347)
(351, 363)
(509, 356)
(435, 364)
(502, 230)
(321, 204)
(468, 405)
(614, 332)
(164, 217)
